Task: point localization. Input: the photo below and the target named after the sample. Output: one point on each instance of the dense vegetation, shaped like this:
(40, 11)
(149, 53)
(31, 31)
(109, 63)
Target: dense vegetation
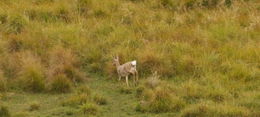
(206, 54)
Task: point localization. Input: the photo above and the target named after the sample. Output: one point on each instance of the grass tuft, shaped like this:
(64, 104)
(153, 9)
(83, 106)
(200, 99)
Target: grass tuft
(16, 24)
(153, 81)
(84, 89)
(34, 106)
(31, 76)
(84, 6)
(3, 18)
(63, 61)
(60, 84)
(125, 90)
(77, 100)
(89, 109)
(158, 99)
(4, 112)
(206, 110)
(100, 100)
(3, 82)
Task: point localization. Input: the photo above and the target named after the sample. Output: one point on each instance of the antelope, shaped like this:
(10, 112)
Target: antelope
(126, 69)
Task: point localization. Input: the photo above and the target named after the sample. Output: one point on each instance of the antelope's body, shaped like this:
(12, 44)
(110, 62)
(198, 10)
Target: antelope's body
(126, 69)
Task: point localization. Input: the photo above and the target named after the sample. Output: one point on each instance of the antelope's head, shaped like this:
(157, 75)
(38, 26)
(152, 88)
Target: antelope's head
(116, 60)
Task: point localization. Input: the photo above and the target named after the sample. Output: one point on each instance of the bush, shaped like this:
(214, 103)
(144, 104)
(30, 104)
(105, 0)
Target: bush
(215, 3)
(158, 99)
(150, 61)
(60, 84)
(47, 16)
(190, 66)
(32, 79)
(73, 73)
(3, 18)
(125, 90)
(34, 106)
(84, 6)
(16, 24)
(140, 91)
(169, 4)
(214, 110)
(31, 76)
(4, 112)
(100, 100)
(60, 55)
(191, 91)
(218, 95)
(240, 72)
(77, 100)
(15, 44)
(153, 81)
(3, 82)
(10, 65)
(110, 69)
(165, 102)
(89, 108)
(63, 14)
(84, 90)
(63, 61)
(162, 101)
(100, 13)
(94, 61)
(3, 46)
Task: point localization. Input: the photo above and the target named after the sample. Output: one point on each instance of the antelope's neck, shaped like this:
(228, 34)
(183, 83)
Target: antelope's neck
(117, 64)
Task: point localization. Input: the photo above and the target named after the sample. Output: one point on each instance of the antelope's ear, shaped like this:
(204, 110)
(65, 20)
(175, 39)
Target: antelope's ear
(113, 57)
(117, 57)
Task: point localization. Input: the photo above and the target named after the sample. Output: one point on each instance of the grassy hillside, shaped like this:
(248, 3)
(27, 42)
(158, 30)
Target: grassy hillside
(206, 54)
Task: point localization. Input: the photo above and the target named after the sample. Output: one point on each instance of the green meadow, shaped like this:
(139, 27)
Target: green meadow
(195, 58)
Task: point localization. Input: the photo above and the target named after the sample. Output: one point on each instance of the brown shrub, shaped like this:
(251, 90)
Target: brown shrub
(63, 61)
(3, 82)
(76, 100)
(60, 84)
(149, 61)
(157, 96)
(160, 100)
(31, 77)
(11, 64)
(4, 111)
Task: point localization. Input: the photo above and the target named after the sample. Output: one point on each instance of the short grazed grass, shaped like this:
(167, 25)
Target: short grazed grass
(118, 104)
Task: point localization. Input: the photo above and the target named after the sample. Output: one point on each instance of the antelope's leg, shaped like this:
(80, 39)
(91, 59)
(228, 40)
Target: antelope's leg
(119, 78)
(134, 77)
(126, 78)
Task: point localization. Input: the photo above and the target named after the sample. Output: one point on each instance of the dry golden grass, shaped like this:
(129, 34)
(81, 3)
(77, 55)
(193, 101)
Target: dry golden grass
(3, 82)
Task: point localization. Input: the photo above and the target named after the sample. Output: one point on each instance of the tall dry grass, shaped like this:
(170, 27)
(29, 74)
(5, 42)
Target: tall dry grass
(207, 48)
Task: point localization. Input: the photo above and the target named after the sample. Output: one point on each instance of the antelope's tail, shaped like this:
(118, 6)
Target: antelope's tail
(134, 63)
